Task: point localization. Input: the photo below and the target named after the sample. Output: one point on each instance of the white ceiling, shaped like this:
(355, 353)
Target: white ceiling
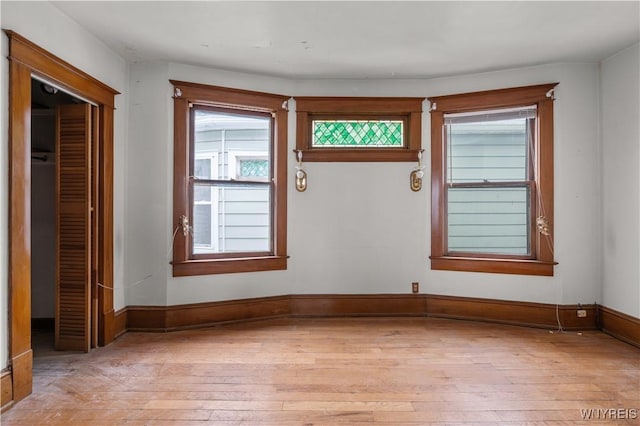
(361, 39)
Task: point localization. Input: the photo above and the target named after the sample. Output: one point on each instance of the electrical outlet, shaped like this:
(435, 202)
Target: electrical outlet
(582, 313)
(415, 287)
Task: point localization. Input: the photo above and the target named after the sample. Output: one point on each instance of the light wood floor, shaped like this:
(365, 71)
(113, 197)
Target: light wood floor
(337, 371)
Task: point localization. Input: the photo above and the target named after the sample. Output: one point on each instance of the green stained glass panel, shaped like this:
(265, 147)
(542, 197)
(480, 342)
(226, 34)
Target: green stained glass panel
(358, 133)
(254, 168)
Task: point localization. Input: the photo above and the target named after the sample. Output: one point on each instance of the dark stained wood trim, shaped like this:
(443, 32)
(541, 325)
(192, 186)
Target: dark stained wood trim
(155, 318)
(500, 98)
(621, 326)
(229, 97)
(22, 375)
(120, 322)
(27, 59)
(49, 66)
(185, 94)
(20, 229)
(228, 265)
(350, 105)
(542, 262)
(318, 305)
(540, 315)
(6, 390)
(105, 227)
(497, 266)
(409, 109)
(329, 155)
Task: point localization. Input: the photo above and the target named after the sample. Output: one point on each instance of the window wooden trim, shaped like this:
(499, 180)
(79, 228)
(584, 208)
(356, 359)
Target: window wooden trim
(407, 109)
(185, 93)
(542, 263)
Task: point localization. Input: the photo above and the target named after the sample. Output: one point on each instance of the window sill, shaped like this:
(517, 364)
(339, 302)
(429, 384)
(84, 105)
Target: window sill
(228, 265)
(360, 155)
(496, 266)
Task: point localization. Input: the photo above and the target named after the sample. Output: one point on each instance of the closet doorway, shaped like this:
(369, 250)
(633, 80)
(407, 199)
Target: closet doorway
(64, 225)
(28, 62)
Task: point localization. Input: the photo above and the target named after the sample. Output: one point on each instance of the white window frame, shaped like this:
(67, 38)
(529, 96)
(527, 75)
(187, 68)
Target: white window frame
(212, 156)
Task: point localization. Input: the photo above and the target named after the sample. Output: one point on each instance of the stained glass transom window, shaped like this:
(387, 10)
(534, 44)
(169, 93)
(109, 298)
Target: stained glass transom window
(358, 133)
(254, 168)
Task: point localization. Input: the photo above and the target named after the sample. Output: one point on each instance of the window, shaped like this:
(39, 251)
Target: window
(229, 180)
(492, 181)
(205, 204)
(359, 129)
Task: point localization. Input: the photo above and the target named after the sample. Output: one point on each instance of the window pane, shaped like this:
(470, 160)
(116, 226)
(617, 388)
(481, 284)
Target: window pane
(202, 168)
(202, 225)
(254, 168)
(218, 133)
(488, 220)
(202, 193)
(243, 216)
(488, 151)
(358, 133)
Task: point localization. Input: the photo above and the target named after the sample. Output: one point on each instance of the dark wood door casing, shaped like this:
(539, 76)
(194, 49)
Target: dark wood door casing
(26, 60)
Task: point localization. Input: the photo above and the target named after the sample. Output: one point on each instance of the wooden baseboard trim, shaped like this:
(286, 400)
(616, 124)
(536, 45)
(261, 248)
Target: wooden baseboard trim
(179, 317)
(21, 375)
(43, 323)
(528, 314)
(119, 323)
(322, 305)
(6, 390)
(621, 326)
(161, 318)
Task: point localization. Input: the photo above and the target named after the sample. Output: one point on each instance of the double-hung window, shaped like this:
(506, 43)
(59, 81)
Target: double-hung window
(229, 180)
(492, 181)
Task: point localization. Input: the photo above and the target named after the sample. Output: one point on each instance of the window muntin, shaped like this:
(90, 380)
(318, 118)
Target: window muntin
(483, 209)
(240, 216)
(357, 133)
(489, 182)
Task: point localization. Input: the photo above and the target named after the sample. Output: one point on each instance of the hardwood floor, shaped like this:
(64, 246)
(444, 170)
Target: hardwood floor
(339, 371)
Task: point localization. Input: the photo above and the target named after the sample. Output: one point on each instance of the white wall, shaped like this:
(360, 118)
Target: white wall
(620, 88)
(45, 25)
(359, 228)
(148, 174)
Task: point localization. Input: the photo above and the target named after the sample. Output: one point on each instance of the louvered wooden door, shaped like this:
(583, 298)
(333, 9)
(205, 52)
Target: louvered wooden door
(73, 228)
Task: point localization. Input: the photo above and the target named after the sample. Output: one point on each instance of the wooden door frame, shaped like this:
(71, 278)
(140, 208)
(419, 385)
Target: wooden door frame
(26, 60)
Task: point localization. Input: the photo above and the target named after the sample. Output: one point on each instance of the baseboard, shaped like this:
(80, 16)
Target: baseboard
(327, 305)
(168, 318)
(621, 326)
(43, 323)
(528, 314)
(119, 323)
(6, 390)
(178, 317)
(21, 375)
